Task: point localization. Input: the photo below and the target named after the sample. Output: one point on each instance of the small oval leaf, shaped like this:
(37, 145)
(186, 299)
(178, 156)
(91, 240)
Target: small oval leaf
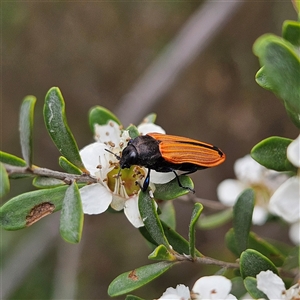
(151, 220)
(242, 218)
(291, 32)
(68, 166)
(41, 182)
(101, 116)
(198, 207)
(25, 127)
(271, 153)
(215, 220)
(26, 209)
(171, 189)
(136, 278)
(4, 183)
(162, 253)
(71, 218)
(58, 129)
(168, 214)
(251, 287)
(252, 263)
(10, 159)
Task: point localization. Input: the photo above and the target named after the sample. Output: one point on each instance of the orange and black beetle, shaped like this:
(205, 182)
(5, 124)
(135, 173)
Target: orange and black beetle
(168, 153)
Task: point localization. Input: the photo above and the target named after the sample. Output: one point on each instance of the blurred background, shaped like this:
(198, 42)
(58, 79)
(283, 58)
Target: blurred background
(133, 58)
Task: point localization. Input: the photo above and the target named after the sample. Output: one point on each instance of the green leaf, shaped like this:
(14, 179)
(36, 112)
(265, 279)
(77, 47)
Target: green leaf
(133, 131)
(251, 287)
(25, 127)
(58, 129)
(262, 79)
(281, 68)
(291, 32)
(150, 118)
(230, 242)
(292, 260)
(265, 248)
(71, 218)
(101, 116)
(216, 220)
(271, 153)
(238, 289)
(294, 116)
(132, 297)
(151, 220)
(168, 214)
(136, 278)
(162, 253)
(68, 166)
(179, 243)
(252, 263)
(10, 159)
(41, 182)
(26, 209)
(4, 181)
(198, 207)
(171, 189)
(242, 218)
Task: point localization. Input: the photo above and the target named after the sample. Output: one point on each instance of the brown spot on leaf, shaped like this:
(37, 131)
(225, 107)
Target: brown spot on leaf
(132, 275)
(38, 212)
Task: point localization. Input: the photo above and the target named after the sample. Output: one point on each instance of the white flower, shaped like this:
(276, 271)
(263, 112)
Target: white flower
(285, 202)
(212, 287)
(273, 286)
(181, 292)
(251, 174)
(119, 192)
(207, 287)
(293, 152)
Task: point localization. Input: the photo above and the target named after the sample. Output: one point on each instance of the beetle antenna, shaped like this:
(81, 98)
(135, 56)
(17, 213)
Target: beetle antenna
(116, 155)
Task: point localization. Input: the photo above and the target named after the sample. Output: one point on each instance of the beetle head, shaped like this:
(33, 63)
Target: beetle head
(129, 157)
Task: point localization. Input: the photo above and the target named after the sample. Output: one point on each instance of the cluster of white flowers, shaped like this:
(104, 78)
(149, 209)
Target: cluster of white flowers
(119, 192)
(219, 287)
(276, 193)
(207, 287)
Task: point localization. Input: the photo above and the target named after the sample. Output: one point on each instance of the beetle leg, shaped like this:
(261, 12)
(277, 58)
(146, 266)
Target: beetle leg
(146, 183)
(178, 180)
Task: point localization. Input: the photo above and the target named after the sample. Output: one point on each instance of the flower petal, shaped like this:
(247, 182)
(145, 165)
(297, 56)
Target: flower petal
(95, 198)
(145, 128)
(212, 287)
(294, 233)
(285, 201)
(229, 190)
(248, 170)
(118, 202)
(108, 133)
(160, 178)
(94, 155)
(132, 212)
(259, 216)
(293, 152)
(181, 292)
(270, 284)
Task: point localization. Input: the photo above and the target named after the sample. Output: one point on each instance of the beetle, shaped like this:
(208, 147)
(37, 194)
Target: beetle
(169, 153)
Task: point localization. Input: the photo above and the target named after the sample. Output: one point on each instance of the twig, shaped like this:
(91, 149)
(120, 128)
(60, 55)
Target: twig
(206, 202)
(205, 260)
(37, 171)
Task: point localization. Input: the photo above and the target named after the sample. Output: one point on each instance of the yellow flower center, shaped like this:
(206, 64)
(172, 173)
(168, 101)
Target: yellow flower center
(125, 182)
